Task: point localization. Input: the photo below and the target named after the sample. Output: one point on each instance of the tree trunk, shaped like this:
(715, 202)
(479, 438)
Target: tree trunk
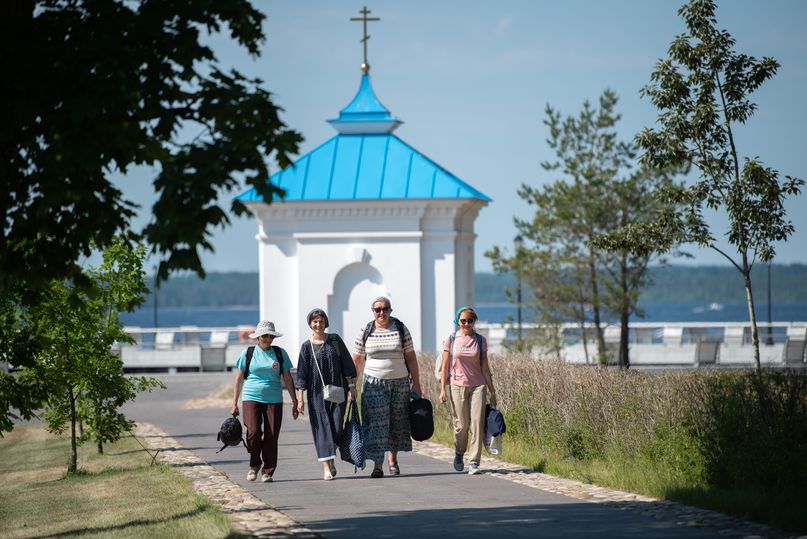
(624, 336)
(582, 319)
(749, 294)
(585, 341)
(72, 465)
(100, 443)
(595, 309)
(624, 328)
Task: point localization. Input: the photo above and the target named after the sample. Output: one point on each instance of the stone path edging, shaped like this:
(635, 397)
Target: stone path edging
(250, 516)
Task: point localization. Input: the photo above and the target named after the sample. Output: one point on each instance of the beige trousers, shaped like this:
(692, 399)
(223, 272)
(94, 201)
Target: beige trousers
(468, 413)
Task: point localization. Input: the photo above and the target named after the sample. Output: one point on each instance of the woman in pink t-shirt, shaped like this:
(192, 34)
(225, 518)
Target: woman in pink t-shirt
(466, 369)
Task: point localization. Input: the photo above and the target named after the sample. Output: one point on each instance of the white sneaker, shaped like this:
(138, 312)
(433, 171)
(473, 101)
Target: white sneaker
(252, 474)
(473, 469)
(266, 478)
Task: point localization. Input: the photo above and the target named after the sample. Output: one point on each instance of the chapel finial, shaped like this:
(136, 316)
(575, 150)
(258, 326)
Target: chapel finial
(365, 67)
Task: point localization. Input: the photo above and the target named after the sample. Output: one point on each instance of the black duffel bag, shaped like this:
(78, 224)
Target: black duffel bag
(421, 418)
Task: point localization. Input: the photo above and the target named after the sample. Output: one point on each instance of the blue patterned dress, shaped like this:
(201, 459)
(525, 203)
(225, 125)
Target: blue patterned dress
(326, 418)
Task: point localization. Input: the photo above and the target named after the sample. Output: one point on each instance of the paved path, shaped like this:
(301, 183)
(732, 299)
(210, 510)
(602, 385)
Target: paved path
(429, 499)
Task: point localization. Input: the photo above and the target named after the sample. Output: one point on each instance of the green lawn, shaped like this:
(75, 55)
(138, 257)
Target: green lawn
(116, 494)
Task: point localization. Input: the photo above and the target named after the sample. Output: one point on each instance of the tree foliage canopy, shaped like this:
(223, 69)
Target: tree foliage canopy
(82, 377)
(92, 88)
(702, 91)
(599, 191)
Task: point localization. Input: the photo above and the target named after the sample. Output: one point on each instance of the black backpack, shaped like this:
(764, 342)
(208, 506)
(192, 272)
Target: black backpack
(421, 419)
(251, 350)
(370, 327)
(230, 434)
(399, 327)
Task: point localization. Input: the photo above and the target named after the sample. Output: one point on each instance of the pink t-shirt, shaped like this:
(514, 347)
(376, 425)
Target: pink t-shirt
(466, 367)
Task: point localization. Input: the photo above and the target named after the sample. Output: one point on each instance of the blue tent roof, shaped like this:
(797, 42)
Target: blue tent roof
(365, 161)
(361, 167)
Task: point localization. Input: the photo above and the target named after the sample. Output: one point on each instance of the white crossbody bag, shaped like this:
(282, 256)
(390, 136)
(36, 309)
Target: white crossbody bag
(331, 393)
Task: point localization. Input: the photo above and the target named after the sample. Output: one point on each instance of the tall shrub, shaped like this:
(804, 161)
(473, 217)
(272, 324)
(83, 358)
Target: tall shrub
(751, 428)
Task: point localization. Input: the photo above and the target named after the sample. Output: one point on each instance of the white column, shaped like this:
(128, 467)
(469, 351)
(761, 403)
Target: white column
(399, 261)
(438, 266)
(465, 274)
(279, 281)
(441, 310)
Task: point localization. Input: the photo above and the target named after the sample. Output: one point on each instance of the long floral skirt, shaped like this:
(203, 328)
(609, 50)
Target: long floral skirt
(385, 416)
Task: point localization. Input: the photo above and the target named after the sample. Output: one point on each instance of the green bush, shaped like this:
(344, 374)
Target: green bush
(751, 428)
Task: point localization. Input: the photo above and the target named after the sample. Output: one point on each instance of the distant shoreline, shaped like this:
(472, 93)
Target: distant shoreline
(670, 285)
(661, 313)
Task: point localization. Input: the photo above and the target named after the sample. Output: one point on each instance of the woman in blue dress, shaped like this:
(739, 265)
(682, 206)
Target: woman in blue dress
(324, 357)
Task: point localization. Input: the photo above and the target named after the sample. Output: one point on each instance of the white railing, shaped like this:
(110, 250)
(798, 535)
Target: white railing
(669, 344)
(652, 344)
(183, 348)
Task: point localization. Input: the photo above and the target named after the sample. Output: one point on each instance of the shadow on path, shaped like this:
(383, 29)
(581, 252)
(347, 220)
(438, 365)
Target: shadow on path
(567, 520)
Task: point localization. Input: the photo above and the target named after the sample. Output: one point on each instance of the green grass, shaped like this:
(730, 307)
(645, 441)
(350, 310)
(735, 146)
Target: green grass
(781, 509)
(116, 494)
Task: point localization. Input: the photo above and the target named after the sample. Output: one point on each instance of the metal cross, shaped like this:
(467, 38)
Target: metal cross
(365, 67)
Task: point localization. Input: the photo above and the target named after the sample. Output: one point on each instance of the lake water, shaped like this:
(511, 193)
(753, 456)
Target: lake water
(491, 312)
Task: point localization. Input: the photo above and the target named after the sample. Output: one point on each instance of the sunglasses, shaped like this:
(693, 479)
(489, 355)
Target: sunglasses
(465, 321)
(379, 310)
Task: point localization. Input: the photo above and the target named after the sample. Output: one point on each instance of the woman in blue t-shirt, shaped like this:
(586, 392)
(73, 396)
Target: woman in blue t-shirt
(263, 399)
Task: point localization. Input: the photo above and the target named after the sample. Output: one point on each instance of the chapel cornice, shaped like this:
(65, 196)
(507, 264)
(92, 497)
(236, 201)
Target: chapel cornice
(359, 210)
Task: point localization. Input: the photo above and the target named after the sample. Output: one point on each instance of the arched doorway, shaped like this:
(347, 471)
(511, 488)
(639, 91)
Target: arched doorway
(354, 287)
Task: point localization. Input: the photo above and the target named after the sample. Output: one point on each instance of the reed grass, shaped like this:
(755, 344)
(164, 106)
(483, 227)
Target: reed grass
(730, 441)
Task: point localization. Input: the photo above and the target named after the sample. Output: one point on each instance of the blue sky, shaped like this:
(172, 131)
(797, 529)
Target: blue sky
(471, 79)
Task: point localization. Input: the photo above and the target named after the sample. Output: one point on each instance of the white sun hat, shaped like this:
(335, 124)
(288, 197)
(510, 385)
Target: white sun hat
(265, 327)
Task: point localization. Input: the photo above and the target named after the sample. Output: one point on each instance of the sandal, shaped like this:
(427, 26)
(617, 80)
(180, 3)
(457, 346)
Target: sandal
(377, 473)
(394, 469)
(328, 476)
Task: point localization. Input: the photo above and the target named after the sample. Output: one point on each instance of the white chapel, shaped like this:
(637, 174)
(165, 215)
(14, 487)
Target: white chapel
(366, 215)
